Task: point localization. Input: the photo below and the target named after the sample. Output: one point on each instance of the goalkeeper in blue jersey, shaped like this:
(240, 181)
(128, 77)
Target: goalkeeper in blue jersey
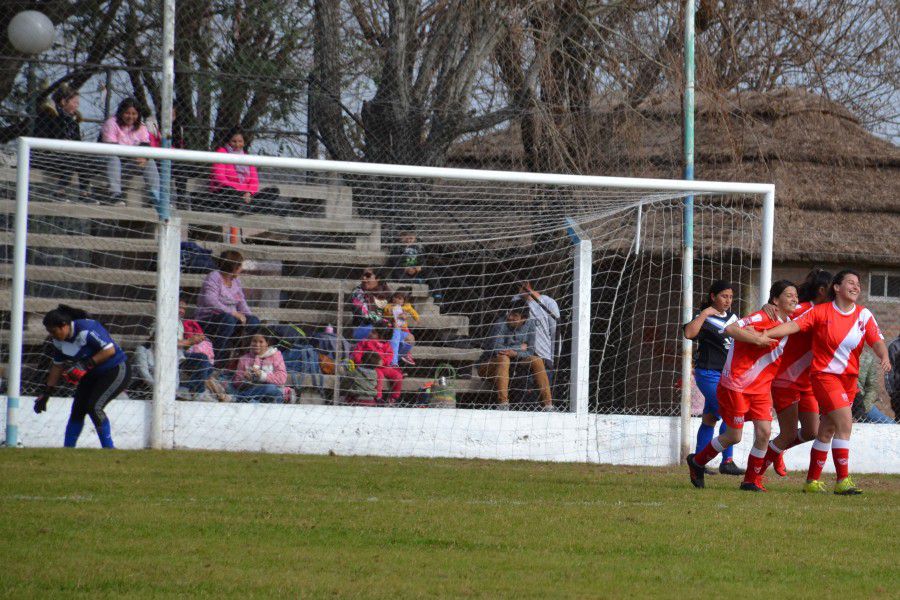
(86, 356)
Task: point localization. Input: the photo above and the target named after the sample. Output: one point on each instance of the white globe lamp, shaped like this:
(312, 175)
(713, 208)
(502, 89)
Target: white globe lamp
(31, 32)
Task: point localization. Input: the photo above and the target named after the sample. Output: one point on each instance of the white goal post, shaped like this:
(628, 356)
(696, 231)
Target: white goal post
(578, 422)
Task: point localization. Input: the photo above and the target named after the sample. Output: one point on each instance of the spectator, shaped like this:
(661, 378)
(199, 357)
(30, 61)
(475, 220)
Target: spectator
(126, 129)
(398, 314)
(62, 121)
(180, 171)
(892, 377)
(407, 262)
(865, 409)
(260, 375)
(197, 357)
(377, 343)
(512, 340)
(364, 388)
(236, 187)
(543, 312)
(367, 302)
(222, 307)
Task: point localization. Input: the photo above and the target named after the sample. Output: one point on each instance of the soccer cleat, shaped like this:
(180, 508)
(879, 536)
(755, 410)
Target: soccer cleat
(728, 467)
(753, 486)
(779, 467)
(696, 471)
(814, 487)
(846, 487)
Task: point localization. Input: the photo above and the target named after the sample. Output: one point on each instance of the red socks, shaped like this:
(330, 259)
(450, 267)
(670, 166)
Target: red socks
(708, 453)
(840, 453)
(772, 454)
(817, 457)
(755, 465)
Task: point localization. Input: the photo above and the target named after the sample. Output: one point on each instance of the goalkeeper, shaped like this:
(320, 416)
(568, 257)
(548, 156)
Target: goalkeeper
(86, 356)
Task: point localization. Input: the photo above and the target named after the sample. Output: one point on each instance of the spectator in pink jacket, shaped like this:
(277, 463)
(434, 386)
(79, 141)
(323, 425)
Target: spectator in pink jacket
(222, 308)
(260, 375)
(236, 187)
(126, 129)
(378, 342)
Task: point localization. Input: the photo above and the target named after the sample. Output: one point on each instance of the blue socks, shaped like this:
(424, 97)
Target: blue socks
(729, 451)
(105, 434)
(704, 436)
(73, 430)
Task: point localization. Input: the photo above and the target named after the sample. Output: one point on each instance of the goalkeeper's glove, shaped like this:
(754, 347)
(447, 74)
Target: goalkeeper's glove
(40, 403)
(74, 375)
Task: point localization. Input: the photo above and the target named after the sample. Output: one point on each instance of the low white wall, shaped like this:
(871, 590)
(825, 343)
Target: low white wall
(344, 430)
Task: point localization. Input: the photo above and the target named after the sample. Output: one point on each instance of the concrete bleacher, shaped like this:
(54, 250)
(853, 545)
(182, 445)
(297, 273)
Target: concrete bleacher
(295, 273)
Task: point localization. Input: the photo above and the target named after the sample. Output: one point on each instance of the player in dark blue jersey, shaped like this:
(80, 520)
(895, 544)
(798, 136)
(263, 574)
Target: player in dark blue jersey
(708, 328)
(86, 356)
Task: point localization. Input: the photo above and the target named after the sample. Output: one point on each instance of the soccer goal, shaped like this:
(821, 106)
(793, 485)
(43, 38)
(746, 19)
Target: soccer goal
(530, 316)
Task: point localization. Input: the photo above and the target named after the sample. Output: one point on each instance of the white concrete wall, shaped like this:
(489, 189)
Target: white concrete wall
(615, 439)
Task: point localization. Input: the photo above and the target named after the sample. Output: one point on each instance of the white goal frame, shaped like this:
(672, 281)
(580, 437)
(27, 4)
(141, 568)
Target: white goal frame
(162, 426)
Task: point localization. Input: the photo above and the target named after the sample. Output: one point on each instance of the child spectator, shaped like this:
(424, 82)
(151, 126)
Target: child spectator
(236, 187)
(196, 357)
(398, 314)
(261, 375)
(407, 262)
(376, 342)
(126, 129)
(364, 388)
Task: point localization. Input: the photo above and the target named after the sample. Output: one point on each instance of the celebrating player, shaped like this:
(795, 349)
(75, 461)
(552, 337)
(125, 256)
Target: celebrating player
(792, 393)
(744, 390)
(85, 355)
(708, 327)
(839, 328)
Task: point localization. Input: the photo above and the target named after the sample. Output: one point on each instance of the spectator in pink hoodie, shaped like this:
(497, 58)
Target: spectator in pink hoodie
(378, 342)
(260, 375)
(236, 187)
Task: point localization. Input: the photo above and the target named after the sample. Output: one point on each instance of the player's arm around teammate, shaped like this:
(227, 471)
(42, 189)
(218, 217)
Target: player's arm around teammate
(744, 391)
(839, 329)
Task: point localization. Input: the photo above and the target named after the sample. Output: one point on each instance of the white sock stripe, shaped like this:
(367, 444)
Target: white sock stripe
(754, 451)
(775, 448)
(717, 445)
(822, 446)
(836, 443)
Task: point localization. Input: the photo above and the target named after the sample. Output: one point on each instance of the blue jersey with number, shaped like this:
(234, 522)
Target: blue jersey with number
(87, 338)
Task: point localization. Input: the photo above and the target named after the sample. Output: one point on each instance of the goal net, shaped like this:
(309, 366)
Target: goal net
(414, 311)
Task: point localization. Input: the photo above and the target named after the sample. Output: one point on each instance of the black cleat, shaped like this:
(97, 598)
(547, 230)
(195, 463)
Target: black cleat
(729, 467)
(697, 472)
(752, 486)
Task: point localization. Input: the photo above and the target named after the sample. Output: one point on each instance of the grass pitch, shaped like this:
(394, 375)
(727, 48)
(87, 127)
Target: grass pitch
(96, 524)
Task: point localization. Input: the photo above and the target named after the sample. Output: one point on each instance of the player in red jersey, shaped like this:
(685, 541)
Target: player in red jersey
(744, 390)
(792, 393)
(839, 330)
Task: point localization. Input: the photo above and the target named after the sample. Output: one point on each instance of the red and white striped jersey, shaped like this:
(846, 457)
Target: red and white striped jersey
(750, 368)
(838, 337)
(793, 371)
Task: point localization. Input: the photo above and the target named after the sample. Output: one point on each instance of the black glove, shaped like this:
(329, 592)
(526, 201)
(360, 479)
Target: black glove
(40, 403)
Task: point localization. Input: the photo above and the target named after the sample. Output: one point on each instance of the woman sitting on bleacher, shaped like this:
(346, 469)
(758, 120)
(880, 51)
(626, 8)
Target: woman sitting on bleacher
(222, 308)
(235, 188)
(126, 129)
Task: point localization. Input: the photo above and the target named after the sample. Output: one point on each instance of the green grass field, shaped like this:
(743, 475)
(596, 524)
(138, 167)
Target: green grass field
(98, 524)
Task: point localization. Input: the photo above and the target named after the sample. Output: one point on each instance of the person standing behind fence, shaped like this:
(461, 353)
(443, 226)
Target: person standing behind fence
(708, 328)
(222, 308)
(61, 121)
(125, 128)
(86, 356)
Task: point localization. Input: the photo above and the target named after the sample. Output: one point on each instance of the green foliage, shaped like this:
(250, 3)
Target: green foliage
(149, 524)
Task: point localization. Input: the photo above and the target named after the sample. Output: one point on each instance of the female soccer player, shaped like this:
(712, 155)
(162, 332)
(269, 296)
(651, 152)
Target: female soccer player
(85, 355)
(839, 328)
(708, 327)
(792, 393)
(744, 389)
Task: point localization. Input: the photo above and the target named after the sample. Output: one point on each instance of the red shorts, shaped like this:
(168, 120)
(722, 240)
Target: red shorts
(833, 391)
(784, 397)
(737, 407)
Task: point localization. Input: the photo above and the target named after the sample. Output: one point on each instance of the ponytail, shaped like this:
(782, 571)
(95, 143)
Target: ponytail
(809, 289)
(63, 315)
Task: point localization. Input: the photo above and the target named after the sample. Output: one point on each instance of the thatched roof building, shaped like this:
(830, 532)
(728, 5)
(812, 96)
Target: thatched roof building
(837, 185)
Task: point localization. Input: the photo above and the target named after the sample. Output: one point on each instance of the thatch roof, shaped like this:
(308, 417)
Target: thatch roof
(837, 185)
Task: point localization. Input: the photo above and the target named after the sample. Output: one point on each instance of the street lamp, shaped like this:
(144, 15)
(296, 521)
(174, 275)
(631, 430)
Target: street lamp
(31, 32)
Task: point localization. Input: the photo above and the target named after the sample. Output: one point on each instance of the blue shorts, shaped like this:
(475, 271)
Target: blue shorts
(708, 380)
